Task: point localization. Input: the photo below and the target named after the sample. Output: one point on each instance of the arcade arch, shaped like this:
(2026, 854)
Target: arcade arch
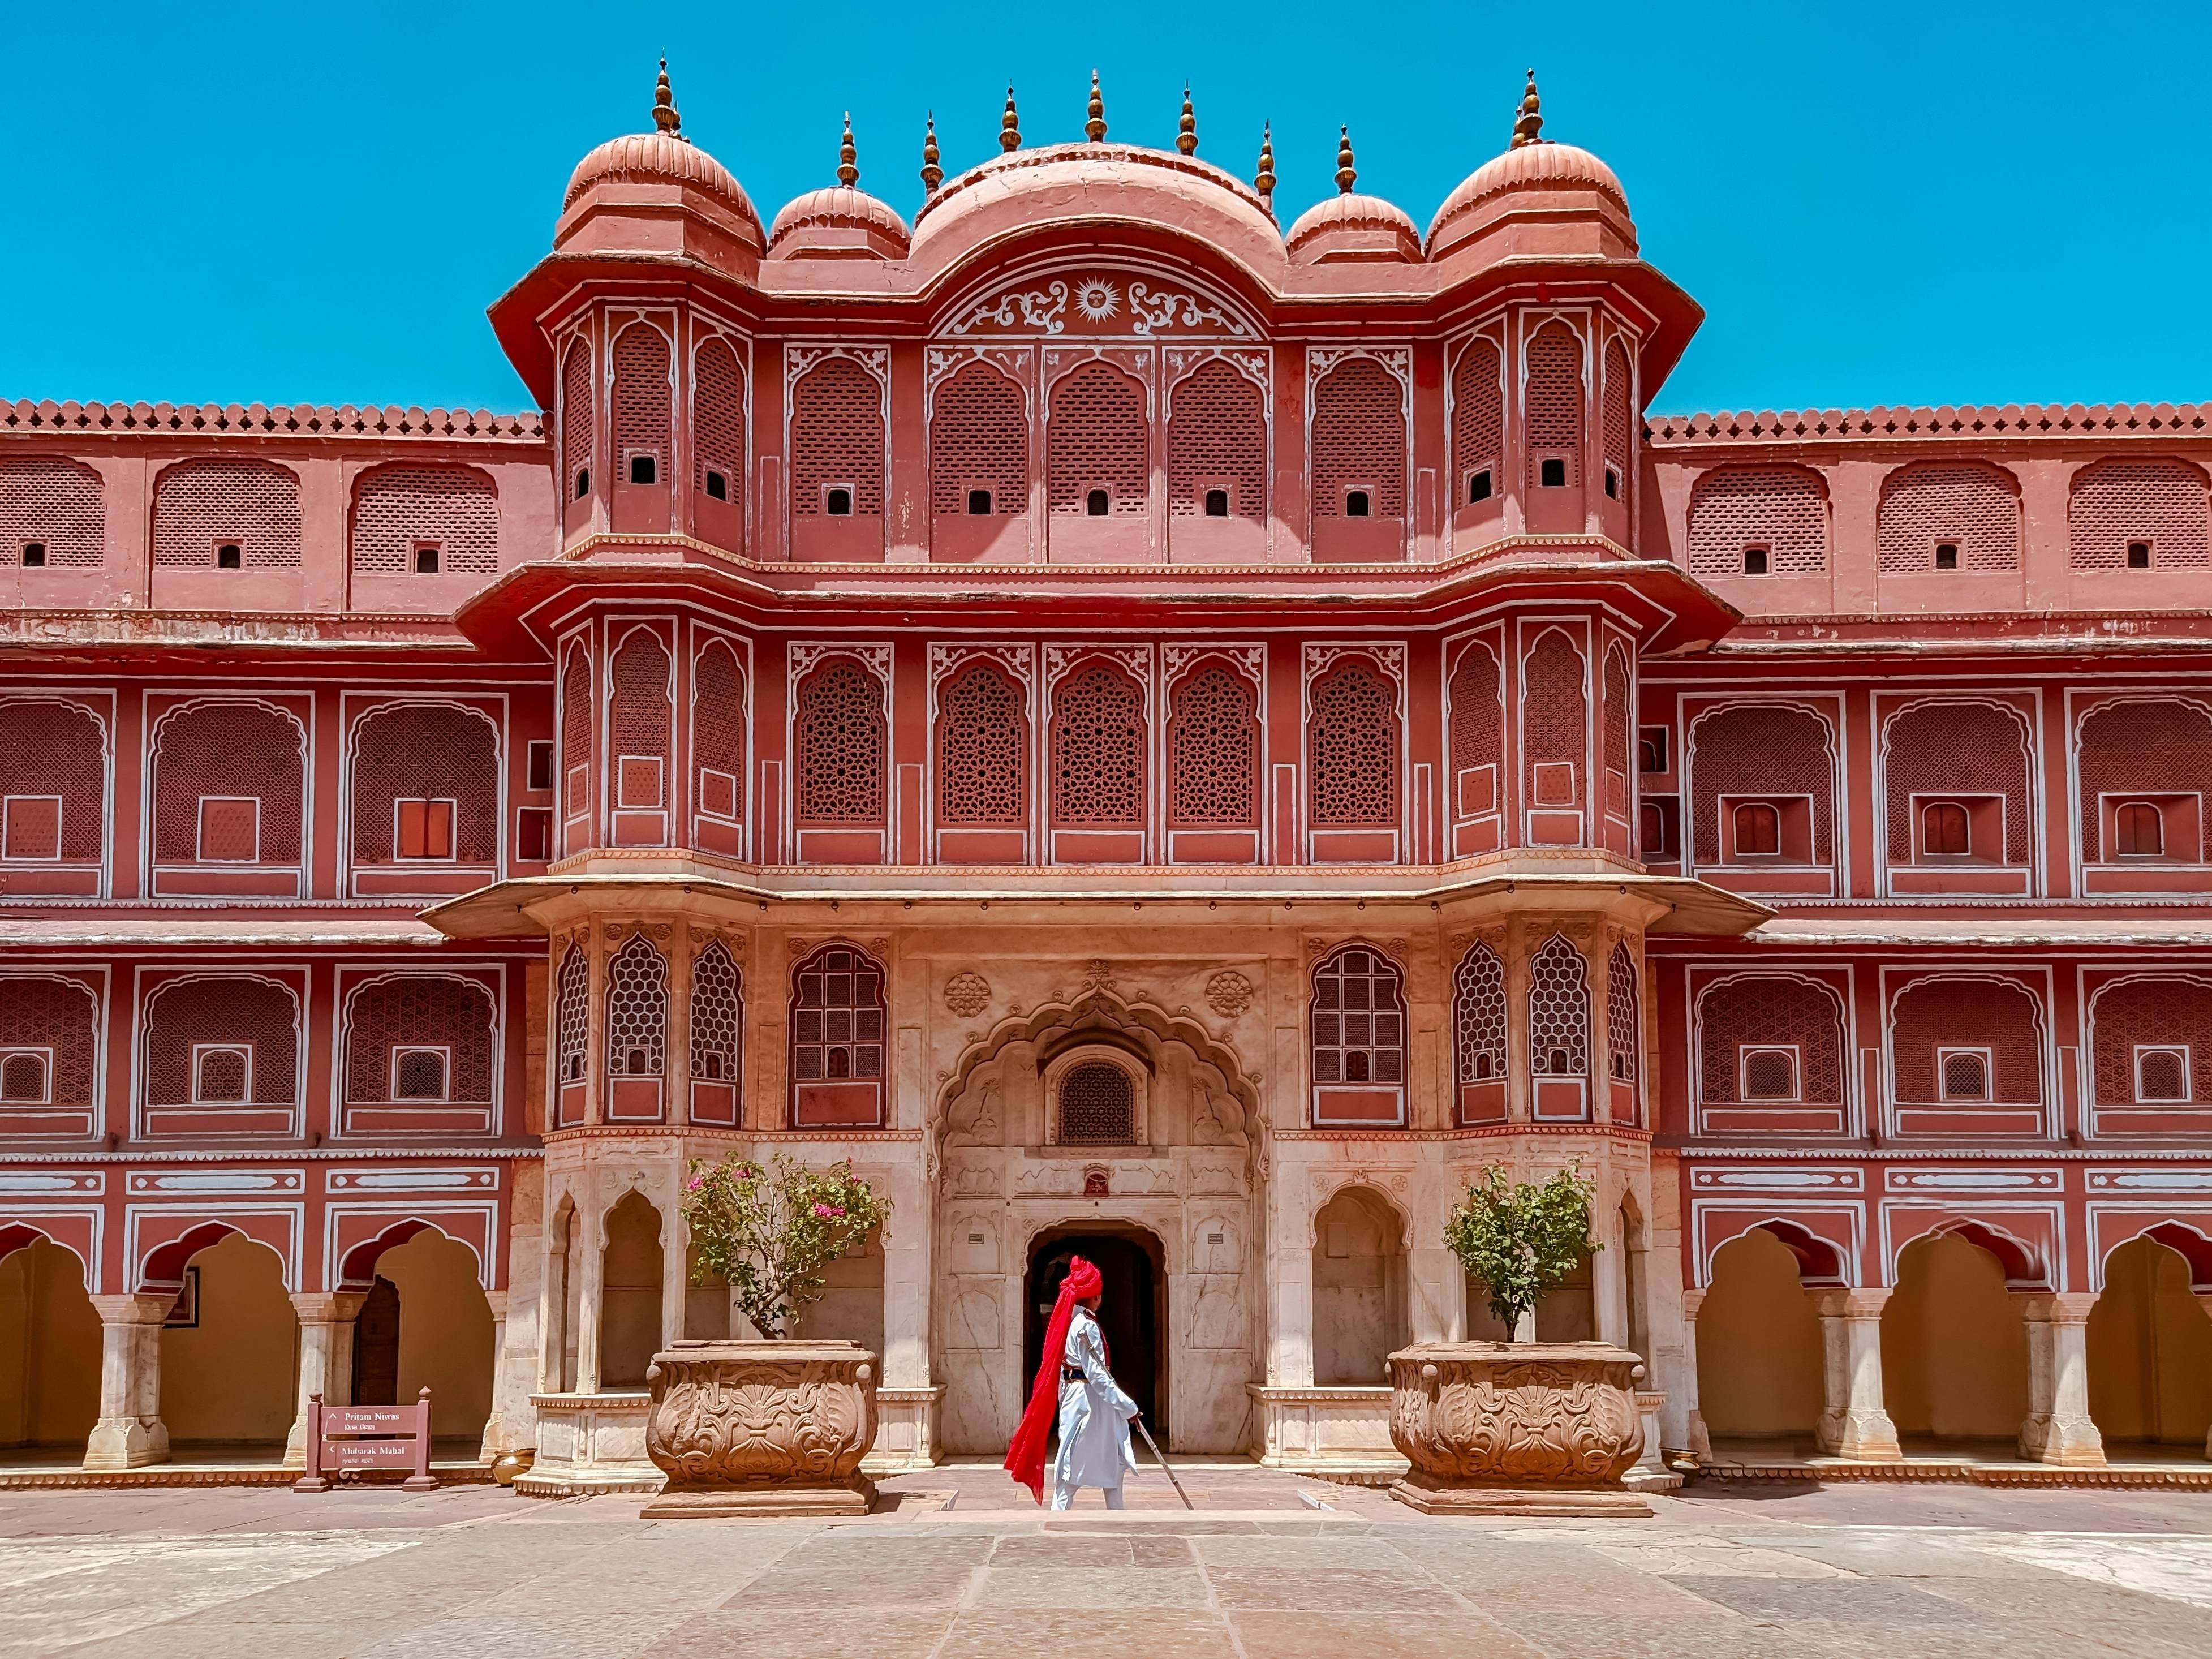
(49, 1344)
(2150, 1344)
(1359, 1307)
(1954, 1347)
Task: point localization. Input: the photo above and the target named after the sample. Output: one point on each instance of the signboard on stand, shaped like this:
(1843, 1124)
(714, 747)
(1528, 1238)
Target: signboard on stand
(349, 1440)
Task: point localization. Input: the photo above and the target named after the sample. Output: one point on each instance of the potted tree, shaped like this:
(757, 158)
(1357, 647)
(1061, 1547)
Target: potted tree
(776, 1426)
(1521, 1427)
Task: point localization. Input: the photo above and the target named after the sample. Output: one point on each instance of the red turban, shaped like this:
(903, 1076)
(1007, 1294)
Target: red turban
(1025, 1456)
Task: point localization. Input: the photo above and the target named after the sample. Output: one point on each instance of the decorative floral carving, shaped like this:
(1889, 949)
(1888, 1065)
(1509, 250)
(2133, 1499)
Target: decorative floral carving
(1229, 994)
(967, 994)
(1099, 975)
(1156, 311)
(772, 1419)
(1520, 1415)
(1043, 308)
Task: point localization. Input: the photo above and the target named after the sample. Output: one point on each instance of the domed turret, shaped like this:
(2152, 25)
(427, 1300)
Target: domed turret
(659, 192)
(840, 222)
(1349, 226)
(1537, 197)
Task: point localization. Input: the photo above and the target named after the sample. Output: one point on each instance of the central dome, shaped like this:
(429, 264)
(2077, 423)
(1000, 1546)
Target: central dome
(643, 174)
(1538, 197)
(1349, 226)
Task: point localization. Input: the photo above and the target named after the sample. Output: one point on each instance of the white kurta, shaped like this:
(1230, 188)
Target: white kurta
(1094, 1418)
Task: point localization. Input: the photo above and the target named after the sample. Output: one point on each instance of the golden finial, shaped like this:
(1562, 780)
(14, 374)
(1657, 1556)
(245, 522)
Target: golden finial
(932, 175)
(1346, 174)
(1094, 127)
(1264, 180)
(1530, 121)
(848, 171)
(665, 117)
(1187, 131)
(1009, 127)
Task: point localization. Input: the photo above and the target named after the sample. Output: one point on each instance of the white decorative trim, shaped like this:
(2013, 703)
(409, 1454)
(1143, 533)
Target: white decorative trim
(801, 656)
(1183, 361)
(1099, 299)
(1318, 658)
(1018, 661)
(943, 362)
(1138, 361)
(1156, 311)
(1137, 658)
(1038, 308)
(1250, 661)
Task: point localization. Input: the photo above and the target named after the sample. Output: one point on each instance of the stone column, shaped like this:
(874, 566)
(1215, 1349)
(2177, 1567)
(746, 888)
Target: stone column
(2058, 1428)
(495, 1432)
(1854, 1423)
(675, 1066)
(587, 1260)
(675, 1273)
(1701, 1444)
(129, 1433)
(326, 1360)
(553, 1307)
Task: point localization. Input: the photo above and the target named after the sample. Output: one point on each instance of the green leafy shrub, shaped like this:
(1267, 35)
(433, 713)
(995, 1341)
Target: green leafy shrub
(1521, 1241)
(770, 1229)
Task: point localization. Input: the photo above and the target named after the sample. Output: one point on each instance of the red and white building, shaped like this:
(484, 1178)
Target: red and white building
(1144, 727)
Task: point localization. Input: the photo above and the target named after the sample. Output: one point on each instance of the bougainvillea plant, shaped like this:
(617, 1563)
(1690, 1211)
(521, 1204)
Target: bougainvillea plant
(770, 1229)
(1521, 1241)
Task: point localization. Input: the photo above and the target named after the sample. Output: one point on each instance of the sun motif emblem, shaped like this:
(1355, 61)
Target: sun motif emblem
(1097, 299)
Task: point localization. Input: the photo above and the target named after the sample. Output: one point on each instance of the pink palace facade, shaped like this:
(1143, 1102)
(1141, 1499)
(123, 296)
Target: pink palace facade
(1149, 729)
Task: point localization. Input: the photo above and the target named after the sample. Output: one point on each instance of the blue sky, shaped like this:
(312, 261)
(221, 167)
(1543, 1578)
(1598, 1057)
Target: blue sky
(1927, 204)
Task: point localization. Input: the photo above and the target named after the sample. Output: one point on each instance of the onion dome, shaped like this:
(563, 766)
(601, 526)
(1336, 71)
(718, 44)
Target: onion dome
(638, 169)
(1349, 226)
(841, 222)
(1535, 179)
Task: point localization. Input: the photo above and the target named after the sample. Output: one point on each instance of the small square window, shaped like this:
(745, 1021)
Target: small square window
(2161, 1074)
(1651, 747)
(1612, 484)
(1356, 504)
(1217, 503)
(424, 828)
(1552, 474)
(423, 1074)
(1963, 1073)
(31, 828)
(538, 773)
(229, 556)
(2138, 556)
(533, 834)
(1947, 556)
(222, 1073)
(26, 1077)
(1478, 486)
(583, 482)
(978, 503)
(642, 470)
(35, 555)
(718, 487)
(837, 501)
(426, 559)
(1755, 560)
(1097, 504)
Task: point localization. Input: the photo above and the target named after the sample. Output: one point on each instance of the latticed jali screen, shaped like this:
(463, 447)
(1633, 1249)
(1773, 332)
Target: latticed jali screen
(425, 752)
(1624, 1018)
(1213, 749)
(2156, 1013)
(982, 735)
(1555, 401)
(838, 1017)
(432, 1010)
(641, 399)
(717, 1016)
(1478, 1015)
(1358, 1020)
(1098, 750)
(1972, 508)
(1559, 1011)
(1619, 413)
(398, 510)
(1555, 722)
(1098, 1106)
(57, 504)
(840, 741)
(1969, 1013)
(202, 506)
(1217, 439)
(640, 713)
(2161, 746)
(718, 418)
(235, 751)
(52, 748)
(1764, 751)
(1478, 720)
(1096, 439)
(637, 1010)
(575, 412)
(572, 1013)
(1783, 509)
(717, 730)
(2159, 501)
(226, 1009)
(837, 437)
(59, 1015)
(979, 439)
(1478, 414)
(1352, 749)
(1954, 749)
(1360, 439)
(1763, 1012)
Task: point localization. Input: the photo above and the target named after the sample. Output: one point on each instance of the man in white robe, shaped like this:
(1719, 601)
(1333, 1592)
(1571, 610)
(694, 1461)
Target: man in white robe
(1094, 1415)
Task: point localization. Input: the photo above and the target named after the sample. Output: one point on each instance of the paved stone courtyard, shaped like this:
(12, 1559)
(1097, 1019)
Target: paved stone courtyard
(952, 1567)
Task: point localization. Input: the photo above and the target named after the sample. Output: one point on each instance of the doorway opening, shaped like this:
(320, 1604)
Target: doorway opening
(1132, 1314)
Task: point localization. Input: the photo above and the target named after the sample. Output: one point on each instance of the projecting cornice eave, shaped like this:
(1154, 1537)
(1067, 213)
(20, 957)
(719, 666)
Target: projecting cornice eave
(523, 317)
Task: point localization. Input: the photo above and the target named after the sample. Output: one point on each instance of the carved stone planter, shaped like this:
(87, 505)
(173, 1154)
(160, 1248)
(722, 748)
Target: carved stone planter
(762, 1428)
(1516, 1428)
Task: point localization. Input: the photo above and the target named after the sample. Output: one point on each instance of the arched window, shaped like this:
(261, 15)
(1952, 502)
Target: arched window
(1956, 1038)
(1555, 408)
(718, 747)
(640, 713)
(1479, 1030)
(2150, 1037)
(1948, 516)
(229, 784)
(425, 787)
(227, 515)
(1958, 749)
(636, 1029)
(1097, 1105)
(1758, 831)
(641, 405)
(1944, 830)
(1758, 521)
(576, 738)
(1359, 441)
(1478, 422)
(837, 441)
(418, 1040)
(837, 1020)
(226, 1043)
(717, 1036)
(1766, 1039)
(2139, 514)
(1558, 1029)
(1620, 711)
(576, 420)
(1624, 1030)
(1213, 749)
(55, 506)
(1098, 732)
(1619, 421)
(1351, 747)
(1097, 445)
(718, 424)
(1217, 445)
(2138, 830)
(1477, 737)
(425, 521)
(572, 1021)
(49, 1050)
(982, 746)
(1760, 750)
(53, 782)
(840, 741)
(1359, 1038)
(979, 446)
(1555, 724)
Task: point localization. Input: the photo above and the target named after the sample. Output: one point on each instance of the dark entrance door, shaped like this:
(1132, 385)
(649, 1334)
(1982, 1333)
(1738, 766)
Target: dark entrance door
(1130, 1314)
(376, 1347)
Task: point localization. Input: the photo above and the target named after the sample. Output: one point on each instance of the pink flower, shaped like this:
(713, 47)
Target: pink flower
(827, 1211)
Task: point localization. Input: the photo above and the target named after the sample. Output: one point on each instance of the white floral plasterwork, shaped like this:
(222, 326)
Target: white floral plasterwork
(804, 654)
